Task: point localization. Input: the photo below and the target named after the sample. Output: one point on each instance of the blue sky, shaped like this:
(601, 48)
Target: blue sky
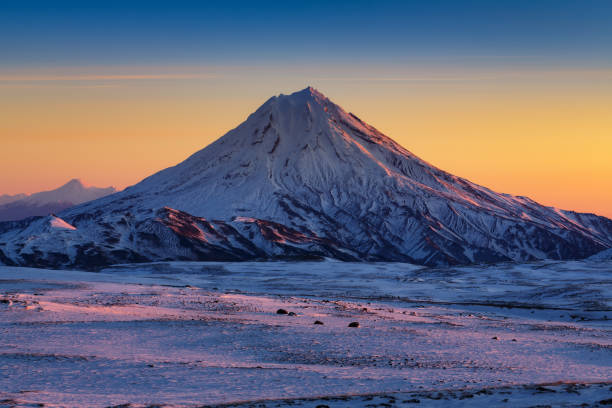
(61, 33)
(514, 95)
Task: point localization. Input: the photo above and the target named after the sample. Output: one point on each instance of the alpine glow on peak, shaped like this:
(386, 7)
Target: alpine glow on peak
(302, 178)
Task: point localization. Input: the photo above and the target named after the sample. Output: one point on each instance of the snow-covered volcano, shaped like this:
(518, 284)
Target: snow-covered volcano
(303, 178)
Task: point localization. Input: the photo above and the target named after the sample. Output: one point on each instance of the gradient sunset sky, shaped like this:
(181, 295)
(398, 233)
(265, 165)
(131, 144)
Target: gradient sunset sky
(513, 95)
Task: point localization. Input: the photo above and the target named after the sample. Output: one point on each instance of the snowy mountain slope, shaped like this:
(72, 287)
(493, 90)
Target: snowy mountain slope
(605, 255)
(6, 198)
(302, 177)
(72, 193)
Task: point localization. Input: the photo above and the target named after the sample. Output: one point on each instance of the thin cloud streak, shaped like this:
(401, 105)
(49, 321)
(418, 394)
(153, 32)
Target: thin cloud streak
(400, 79)
(518, 74)
(63, 78)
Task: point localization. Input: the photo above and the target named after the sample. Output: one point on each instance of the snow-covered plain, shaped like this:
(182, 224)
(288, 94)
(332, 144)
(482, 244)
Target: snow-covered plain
(193, 334)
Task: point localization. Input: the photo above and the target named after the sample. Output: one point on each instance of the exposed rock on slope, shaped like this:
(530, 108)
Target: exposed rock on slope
(302, 178)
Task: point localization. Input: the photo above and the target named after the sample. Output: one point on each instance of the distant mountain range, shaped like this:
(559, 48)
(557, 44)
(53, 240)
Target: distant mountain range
(21, 206)
(301, 179)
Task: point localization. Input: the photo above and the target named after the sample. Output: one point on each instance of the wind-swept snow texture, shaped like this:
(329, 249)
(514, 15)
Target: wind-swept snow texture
(302, 178)
(192, 334)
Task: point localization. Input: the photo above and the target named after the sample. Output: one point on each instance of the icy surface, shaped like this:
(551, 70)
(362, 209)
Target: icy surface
(189, 334)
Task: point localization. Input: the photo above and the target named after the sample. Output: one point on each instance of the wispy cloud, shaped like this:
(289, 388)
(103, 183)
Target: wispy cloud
(402, 79)
(102, 77)
(105, 77)
(490, 75)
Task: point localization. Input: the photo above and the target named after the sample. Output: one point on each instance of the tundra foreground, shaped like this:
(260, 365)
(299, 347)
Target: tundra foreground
(193, 334)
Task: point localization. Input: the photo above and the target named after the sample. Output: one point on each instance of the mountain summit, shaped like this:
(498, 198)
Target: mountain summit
(302, 178)
(27, 205)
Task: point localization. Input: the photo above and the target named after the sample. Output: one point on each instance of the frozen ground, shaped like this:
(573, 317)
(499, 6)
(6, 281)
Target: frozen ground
(193, 334)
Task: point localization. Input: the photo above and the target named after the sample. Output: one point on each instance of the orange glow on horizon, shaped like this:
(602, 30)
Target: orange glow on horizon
(550, 141)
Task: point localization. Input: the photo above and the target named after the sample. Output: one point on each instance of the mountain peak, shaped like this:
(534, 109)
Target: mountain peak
(308, 95)
(309, 91)
(305, 127)
(77, 186)
(41, 203)
(75, 182)
(302, 177)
